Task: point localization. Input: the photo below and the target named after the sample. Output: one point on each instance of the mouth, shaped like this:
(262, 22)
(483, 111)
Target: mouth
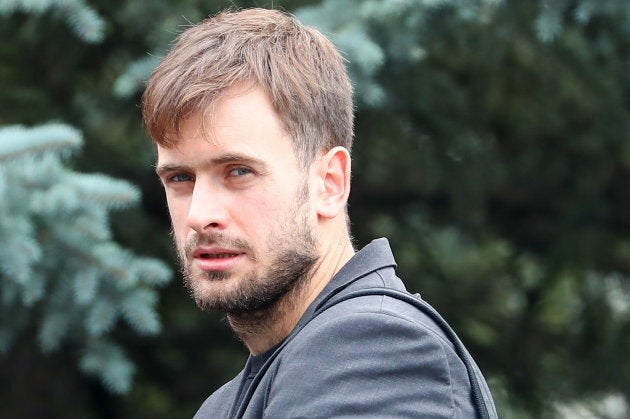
(215, 259)
(216, 255)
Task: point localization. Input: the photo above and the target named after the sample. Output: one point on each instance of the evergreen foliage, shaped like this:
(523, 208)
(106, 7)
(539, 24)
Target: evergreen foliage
(353, 28)
(83, 19)
(60, 268)
(132, 79)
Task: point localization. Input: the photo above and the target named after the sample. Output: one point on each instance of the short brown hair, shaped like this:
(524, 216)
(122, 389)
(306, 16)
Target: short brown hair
(298, 68)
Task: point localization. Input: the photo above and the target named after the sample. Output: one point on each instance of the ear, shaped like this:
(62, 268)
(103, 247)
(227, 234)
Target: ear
(333, 182)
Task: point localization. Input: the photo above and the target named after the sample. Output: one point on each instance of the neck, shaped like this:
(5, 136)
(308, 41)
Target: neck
(263, 329)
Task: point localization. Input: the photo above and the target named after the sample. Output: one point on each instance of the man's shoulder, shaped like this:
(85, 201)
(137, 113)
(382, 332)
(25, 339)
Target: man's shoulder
(368, 352)
(384, 308)
(366, 321)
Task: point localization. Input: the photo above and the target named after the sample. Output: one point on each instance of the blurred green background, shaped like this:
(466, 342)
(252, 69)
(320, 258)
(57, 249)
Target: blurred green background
(492, 148)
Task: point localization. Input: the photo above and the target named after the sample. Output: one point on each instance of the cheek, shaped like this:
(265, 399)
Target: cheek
(273, 204)
(261, 214)
(257, 213)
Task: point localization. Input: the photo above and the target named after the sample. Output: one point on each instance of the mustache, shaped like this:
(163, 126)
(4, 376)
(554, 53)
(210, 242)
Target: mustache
(217, 239)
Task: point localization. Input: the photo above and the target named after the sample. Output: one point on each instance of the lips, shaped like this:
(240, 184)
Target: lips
(214, 252)
(216, 255)
(216, 259)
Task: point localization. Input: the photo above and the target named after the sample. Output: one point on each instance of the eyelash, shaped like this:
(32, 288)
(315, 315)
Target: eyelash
(175, 176)
(247, 171)
(232, 172)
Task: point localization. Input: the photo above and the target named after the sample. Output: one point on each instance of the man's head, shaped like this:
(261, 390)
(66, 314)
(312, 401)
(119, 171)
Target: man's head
(297, 67)
(252, 116)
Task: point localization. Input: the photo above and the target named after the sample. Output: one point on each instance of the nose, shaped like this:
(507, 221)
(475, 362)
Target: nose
(206, 209)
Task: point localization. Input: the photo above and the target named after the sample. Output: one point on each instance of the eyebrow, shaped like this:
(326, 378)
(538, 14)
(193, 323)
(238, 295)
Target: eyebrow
(161, 169)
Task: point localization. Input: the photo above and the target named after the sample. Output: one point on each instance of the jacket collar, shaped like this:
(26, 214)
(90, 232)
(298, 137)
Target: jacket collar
(376, 255)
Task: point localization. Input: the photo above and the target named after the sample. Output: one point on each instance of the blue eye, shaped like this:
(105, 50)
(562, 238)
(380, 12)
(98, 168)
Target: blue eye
(180, 177)
(240, 171)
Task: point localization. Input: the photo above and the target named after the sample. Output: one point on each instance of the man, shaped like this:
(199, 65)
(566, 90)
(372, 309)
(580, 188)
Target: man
(253, 120)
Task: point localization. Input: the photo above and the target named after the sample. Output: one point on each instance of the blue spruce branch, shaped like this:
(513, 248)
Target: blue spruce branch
(17, 141)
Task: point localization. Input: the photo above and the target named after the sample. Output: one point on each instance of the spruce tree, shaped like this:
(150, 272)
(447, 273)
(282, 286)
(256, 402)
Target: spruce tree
(62, 273)
(60, 268)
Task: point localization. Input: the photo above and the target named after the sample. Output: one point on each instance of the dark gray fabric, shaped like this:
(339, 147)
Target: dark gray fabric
(372, 356)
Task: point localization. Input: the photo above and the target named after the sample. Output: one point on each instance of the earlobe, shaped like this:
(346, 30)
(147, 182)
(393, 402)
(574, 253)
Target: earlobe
(335, 182)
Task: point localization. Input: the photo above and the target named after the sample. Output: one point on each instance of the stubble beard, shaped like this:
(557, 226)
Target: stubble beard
(292, 258)
(257, 291)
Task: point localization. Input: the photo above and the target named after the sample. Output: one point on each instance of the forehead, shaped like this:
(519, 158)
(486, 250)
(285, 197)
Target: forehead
(242, 121)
